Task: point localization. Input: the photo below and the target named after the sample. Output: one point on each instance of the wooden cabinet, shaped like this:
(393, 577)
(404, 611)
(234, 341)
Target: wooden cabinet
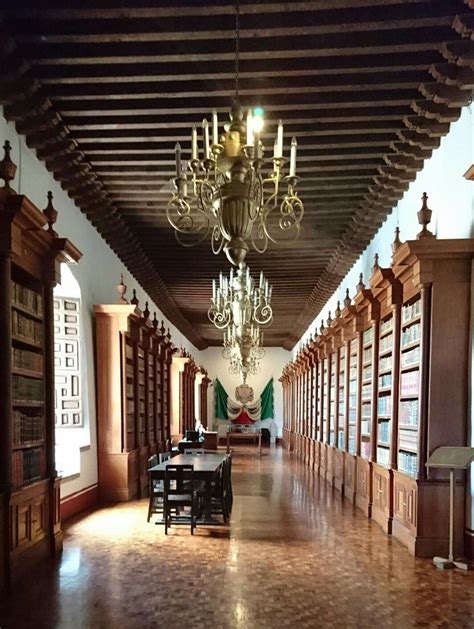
(133, 364)
(30, 256)
(394, 362)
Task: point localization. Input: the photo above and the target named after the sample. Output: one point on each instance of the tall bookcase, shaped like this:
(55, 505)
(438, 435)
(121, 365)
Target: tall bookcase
(30, 256)
(133, 365)
(402, 388)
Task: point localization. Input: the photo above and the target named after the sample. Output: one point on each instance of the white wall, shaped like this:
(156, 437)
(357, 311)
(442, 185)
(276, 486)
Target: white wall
(98, 274)
(271, 366)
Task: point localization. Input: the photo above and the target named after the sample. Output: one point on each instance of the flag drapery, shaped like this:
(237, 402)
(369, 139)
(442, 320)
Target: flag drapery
(238, 413)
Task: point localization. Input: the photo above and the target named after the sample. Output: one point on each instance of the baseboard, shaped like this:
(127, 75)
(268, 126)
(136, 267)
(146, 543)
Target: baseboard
(79, 501)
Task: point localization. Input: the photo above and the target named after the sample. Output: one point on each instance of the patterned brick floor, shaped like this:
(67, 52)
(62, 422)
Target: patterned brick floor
(294, 555)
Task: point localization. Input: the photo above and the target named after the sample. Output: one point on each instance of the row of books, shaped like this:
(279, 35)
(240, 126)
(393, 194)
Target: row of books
(386, 326)
(28, 329)
(409, 383)
(27, 428)
(365, 449)
(384, 431)
(352, 415)
(412, 357)
(385, 363)
(408, 412)
(366, 390)
(351, 445)
(407, 463)
(408, 439)
(367, 356)
(27, 389)
(411, 335)
(340, 440)
(27, 298)
(386, 343)
(24, 359)
(28, 466)
(368, 336)
(385, 381)
(367, 373)
(383, 456)
(384, 405)
(365, 426)
(411, 311)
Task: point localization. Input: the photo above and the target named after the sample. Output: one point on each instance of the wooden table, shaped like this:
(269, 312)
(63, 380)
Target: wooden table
(246, 436)
(206, 466)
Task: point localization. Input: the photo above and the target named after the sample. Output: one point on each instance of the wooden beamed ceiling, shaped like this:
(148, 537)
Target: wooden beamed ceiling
(368, 87)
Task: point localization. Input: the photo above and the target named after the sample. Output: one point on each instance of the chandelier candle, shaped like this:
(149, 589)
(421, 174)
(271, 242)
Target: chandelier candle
(239, 197)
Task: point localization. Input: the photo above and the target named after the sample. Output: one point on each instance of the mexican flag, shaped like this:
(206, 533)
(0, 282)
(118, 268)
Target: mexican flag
(238, 413)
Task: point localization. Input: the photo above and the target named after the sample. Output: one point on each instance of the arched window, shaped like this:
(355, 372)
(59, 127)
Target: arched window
(69, 375)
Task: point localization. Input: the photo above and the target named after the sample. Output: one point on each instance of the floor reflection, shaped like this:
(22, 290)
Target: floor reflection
(294, 555)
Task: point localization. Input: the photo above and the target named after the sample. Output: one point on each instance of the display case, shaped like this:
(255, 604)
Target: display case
(132, 408)
(31, 254)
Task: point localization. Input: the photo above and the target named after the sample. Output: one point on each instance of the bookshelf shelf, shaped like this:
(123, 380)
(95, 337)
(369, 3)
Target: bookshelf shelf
(24, 341)
(26, 311)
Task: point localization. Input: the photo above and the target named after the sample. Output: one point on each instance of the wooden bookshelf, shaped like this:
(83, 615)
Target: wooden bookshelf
(402, 388)
(133, 355)
(30, 257)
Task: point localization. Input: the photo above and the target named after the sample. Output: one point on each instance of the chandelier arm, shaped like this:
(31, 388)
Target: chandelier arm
(217, 237)
(289, 219)
(259, 227)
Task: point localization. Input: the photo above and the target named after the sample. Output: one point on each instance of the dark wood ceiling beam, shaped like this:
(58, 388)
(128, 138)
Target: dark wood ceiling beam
(140, 13)
(73, 55)
(450, 74)
(435, 111)
(421, 140)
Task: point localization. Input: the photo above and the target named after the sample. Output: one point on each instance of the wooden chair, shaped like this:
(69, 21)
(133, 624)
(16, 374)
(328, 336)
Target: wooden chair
(164, 456)
(179, 493)
(221, 501)
(156, 490)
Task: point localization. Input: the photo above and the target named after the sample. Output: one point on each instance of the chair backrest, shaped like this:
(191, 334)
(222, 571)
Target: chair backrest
(152, 461)
(164, 456)
(194, 451)
(179, 479)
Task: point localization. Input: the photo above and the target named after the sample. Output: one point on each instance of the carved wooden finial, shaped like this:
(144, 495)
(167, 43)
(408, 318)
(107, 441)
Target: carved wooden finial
(376, 266)
(7, 169)
(162, 329)
(122, 289)
(146, 312)
(329, 319)
(321, 327)
(397, 243)
(424, 217)
(168, 335)
(347, 299)
(360, 285)
(337, 312)
(155, 322)
(134, 299)
(51, 214)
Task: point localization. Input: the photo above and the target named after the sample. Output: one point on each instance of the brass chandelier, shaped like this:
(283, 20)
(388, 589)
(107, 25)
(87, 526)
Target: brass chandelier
(244, 350)
(230, 190)
(236, 301)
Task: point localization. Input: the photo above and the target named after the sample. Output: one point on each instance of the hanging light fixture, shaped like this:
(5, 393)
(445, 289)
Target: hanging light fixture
(244, 350)
(237, 301)
(235, 194)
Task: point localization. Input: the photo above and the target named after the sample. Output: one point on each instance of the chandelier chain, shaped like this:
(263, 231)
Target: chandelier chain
(237, 49)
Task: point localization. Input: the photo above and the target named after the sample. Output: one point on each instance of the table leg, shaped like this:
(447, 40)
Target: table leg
(260, 444)
(228, 443)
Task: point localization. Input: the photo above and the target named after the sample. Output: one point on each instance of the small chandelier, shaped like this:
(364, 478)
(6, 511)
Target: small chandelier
(237, 301)
(236, 195)
(244, 350)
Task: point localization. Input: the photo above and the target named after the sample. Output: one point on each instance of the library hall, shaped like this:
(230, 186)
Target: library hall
(236, 314)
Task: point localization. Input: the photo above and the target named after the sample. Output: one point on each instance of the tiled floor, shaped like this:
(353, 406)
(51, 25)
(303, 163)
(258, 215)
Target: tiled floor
(294, 555)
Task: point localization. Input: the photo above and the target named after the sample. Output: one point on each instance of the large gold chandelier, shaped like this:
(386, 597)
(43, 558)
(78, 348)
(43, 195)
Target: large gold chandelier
(231, 190)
